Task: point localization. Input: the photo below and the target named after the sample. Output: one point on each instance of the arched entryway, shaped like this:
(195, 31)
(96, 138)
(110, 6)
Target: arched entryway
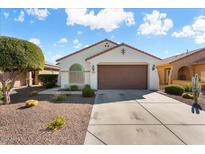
(184, 73)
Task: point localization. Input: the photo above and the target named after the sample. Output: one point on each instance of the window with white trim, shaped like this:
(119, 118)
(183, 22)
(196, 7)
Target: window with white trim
(76, 74)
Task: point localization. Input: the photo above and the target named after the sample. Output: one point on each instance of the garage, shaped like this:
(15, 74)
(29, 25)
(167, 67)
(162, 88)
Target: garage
(122, 76)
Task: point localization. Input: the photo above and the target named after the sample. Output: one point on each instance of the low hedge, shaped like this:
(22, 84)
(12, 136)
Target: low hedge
(174, 89)
(74, 88)
(88, 92)
(188, 87)
(48, 80)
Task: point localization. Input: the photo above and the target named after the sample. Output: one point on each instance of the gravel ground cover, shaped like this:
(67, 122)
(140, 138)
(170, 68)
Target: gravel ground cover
(201, 99)
(20, 125)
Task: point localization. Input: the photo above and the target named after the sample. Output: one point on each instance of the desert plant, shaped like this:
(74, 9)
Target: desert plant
(87, 91)
(1, 94)
(174, 89)
(187, 96)
(48, 80)
(57, 123)
(74, 88)
(16, 57)
(31, 102)
(34, 93)
(60, 97)
(188, 87)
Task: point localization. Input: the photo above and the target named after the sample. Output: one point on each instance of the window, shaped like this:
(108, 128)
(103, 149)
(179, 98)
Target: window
(76, 74)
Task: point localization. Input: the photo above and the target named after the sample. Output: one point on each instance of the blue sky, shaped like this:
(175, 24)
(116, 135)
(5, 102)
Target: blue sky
(162, 32)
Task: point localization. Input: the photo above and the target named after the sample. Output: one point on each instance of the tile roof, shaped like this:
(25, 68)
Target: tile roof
(178, 57)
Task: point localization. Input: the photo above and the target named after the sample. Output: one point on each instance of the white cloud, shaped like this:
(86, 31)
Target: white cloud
(77, 44)
(112, 37)
(31, 21)
(52, 59)
(186, 32)
(6, 14)
(155, 24)
(79, 32)
(54, 44)
(63, 41)
(166, 52)
(20, 18)
(40, 14)
(35, 41)
(107, 19)
(195, 31)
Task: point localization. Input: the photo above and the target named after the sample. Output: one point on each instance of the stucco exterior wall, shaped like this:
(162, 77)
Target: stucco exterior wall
(131, 57)
(79, 58)
(186, 61)
(161, 73)
(200, 70)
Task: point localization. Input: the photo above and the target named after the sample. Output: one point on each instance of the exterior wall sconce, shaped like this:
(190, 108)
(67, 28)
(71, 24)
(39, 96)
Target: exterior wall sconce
(153, 67)
(93, 68)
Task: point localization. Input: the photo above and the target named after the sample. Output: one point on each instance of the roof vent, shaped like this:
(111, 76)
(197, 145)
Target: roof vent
(187, 51)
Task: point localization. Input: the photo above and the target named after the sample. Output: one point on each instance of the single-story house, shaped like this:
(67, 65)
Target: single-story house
(179, 69)
(31, 78)
(109, 65)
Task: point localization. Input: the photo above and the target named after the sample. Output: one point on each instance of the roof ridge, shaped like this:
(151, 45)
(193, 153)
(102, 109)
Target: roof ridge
(129, 46)
(94, 44)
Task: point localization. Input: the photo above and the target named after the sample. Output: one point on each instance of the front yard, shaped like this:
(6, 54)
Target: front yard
(201, 100)
(20, 125)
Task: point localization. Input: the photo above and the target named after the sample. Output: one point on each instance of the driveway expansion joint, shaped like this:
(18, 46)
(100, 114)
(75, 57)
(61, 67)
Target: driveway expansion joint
(162, 123)
(97, 137)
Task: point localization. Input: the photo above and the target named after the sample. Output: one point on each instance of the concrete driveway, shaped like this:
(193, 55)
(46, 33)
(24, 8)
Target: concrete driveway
(143, 117)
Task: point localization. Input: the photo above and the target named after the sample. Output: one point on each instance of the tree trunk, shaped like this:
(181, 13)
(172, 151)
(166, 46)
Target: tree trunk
(6, 93)
(7, 98)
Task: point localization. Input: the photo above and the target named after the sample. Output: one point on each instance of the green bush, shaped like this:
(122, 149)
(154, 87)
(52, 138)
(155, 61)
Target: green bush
(48, 80)
(174, 89)
(1, 94)
(74, 88)
(34, 93)
(60, 97)
(188, 87)
(87, 91)
(187, 96)
(57, 123)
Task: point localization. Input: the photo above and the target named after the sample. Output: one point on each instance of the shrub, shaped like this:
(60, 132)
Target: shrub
(188, 87)
(187, 96)
(60, 97)
(48, 80)
(57, 123)
(1, 94)
(87, 91)
(31, 102)
(34, 93)
(49, 85)
(174, 89)
(74, 88)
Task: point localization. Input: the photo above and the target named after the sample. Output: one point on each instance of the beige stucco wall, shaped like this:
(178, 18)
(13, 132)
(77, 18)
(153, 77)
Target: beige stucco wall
(161, 73)
(200, 70)
(186, 61)
(21, 80)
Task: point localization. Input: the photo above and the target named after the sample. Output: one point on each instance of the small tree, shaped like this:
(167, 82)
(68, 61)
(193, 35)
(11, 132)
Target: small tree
(17, 56)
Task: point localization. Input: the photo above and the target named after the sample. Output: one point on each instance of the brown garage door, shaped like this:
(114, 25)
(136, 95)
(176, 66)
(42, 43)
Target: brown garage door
(122, 76)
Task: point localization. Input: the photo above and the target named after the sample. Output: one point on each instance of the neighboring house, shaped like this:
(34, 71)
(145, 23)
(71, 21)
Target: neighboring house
(179, 69)
(31, 78)
(108, 65)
